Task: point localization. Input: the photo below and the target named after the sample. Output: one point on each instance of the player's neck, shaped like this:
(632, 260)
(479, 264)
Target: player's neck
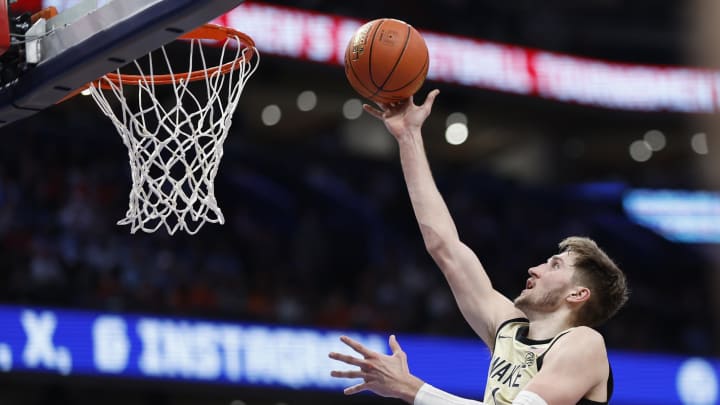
(547, 325)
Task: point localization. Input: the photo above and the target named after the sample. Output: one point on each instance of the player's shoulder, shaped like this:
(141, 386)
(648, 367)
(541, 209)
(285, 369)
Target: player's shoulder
(581, 350)
(585, 339)
(587, 334)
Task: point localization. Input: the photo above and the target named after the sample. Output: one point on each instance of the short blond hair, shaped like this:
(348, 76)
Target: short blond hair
(607, 283)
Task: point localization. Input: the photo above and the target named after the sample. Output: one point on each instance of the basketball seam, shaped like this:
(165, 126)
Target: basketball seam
(427, 59)
(357, 78)
(397, 62)
(370, 52)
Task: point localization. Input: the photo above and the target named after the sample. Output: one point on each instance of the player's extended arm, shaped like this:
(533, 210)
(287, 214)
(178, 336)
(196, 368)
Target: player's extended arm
(481, 305)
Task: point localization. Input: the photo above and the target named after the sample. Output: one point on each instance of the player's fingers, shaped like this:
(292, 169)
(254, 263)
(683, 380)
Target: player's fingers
(431, 98)
(353, 361)
(355, 389)
(373, 111)
(399, 105)
(357, 346)
(348, 374)
(383, 106)
(394, 345)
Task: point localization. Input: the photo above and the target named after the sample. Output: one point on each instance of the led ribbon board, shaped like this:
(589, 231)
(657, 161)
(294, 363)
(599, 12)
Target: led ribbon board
(75, 343)
(318, 37)
(678, 215)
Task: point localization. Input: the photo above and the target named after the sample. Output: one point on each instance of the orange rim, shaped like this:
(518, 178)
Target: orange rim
(208, 31)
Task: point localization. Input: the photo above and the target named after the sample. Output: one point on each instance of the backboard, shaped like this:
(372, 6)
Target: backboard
(90, 39)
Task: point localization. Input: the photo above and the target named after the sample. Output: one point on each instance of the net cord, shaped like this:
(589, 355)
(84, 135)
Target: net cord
(188, 138)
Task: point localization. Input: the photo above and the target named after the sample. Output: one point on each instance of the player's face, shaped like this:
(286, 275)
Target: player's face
(548, 285)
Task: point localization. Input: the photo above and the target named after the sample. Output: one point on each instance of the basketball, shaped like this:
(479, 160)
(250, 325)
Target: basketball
(386, 60)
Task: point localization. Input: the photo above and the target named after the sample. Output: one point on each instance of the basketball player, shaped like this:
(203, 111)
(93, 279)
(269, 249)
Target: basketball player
(544, 350)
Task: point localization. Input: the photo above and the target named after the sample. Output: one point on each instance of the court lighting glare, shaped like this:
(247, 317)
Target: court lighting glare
(697, 382)
(271, 115)
(656, 140)
(456, 134)
(456, 117)
(698, 142)
(352, 109)
(307, 100)
(640, 151)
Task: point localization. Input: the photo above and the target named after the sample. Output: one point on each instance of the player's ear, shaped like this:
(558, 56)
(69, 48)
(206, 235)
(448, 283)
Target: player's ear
(579, 294)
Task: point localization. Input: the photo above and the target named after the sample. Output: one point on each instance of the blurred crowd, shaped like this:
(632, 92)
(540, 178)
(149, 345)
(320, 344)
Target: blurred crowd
(313, 236)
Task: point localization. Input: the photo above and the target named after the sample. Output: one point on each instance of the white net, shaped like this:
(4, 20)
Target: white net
(175, 138)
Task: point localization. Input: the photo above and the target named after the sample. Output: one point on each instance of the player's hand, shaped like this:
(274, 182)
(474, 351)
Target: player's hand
(403, 118)
(387, 376)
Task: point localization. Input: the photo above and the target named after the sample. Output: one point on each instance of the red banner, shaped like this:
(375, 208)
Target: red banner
(319, 37)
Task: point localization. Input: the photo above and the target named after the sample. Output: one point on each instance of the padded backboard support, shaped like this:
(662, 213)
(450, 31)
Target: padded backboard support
(102, 41)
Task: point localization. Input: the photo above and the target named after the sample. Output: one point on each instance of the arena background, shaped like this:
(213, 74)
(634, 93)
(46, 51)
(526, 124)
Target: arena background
(321, 239)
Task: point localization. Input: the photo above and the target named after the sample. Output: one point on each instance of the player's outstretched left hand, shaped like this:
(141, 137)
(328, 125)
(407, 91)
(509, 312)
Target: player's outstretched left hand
(387, 376)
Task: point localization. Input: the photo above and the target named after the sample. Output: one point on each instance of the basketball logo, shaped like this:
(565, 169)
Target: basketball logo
(358, 42)
(529, 359)
(388, 38)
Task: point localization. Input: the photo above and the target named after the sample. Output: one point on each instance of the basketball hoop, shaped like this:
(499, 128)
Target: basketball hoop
(175, 142)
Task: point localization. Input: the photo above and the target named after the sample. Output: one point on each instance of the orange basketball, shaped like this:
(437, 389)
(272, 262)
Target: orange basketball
(386, 60)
